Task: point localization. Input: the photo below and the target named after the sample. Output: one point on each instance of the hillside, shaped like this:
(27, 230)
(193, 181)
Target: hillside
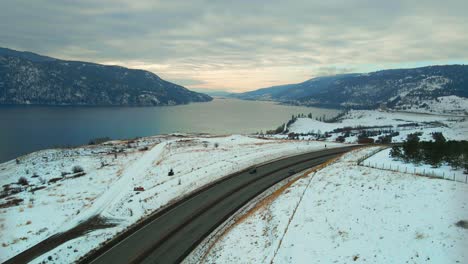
(106, 185)
(403, 89)
(28, 78)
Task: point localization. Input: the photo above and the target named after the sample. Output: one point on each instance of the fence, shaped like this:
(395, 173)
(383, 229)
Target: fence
(432, 173)
(368, 155)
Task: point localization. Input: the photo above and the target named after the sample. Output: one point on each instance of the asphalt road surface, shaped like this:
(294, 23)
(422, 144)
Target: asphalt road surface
(171, 236)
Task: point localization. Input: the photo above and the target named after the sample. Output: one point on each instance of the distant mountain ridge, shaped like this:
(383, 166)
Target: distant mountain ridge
(29, 78)
(397, 89)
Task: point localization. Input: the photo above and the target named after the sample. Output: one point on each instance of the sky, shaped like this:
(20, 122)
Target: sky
(241, 45)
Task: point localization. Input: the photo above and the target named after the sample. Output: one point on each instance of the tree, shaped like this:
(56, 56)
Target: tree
(411, 146)
(77, 169)
(395, 152)
(23, 181)
(438, 137)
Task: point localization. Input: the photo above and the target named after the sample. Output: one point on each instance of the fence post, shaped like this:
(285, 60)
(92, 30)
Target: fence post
(466, 179)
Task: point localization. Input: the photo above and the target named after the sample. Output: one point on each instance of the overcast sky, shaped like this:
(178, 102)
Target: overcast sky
(241, 45)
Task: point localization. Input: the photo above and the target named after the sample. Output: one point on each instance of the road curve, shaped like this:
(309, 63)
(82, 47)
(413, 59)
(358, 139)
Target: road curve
(172, 235)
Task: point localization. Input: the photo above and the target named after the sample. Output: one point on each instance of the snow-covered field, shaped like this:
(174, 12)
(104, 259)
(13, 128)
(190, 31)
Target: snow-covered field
(382, 160)
(62, 199)
(348, 213)
(451, 105)
(453, 128)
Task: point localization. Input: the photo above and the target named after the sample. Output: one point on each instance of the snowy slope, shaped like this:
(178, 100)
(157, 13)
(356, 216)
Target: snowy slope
(383, 160)
(453, 128)
(450, 105)
(347, 213)
(108, 190)
(397, 88)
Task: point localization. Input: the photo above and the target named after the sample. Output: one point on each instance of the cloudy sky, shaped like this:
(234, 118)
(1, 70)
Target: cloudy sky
(244, 44)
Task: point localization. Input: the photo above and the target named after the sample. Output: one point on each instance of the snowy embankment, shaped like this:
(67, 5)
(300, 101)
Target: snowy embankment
(382, 160)
(58, 199)
(357, 121)
(345, 213)
(447, 105)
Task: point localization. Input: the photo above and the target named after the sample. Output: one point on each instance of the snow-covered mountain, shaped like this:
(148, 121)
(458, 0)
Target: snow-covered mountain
(29, 78)
(417, 88)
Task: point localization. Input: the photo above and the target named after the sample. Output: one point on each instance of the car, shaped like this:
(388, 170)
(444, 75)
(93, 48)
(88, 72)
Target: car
(253, 171)
(291, 172)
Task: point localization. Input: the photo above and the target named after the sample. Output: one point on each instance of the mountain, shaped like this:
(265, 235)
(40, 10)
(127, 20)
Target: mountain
(397, 89)
(29, 78)
(210, 92)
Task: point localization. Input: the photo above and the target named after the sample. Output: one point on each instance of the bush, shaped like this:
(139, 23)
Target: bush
(340, 139)
(216, 145)
(365, 140)
(97, 141)
(77, 169)
(23, 181)
(145, 148)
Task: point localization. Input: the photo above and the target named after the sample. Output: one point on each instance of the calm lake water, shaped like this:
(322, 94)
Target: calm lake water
(24, 129)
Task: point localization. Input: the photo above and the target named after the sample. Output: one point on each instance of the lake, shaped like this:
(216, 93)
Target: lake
(24, 129)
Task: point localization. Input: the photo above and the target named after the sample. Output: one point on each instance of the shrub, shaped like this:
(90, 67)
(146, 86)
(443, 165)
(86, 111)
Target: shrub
(340, 139)
(216, 145)
(97, 141)
(23, 181)
(145, 148)
(365, 140)
(77, 169)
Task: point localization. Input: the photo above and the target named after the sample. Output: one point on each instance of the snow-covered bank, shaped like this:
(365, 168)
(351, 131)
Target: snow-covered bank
(345, 213)
(382, 160)
(58, 199)
(400, 124)
(447, 105)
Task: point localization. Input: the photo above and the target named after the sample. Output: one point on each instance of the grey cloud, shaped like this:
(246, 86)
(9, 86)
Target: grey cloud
(195, 37)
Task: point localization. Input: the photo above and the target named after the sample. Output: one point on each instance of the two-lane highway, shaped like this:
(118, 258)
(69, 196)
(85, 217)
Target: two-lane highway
(169, 237)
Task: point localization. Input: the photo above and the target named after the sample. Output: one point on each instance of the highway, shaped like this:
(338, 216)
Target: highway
(169, 236)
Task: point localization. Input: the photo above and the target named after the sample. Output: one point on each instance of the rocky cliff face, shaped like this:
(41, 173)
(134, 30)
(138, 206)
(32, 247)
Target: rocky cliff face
(28, 78)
